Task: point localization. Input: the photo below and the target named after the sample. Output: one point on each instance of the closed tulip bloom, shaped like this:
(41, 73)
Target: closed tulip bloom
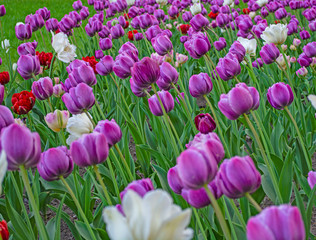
(6, 117)
(79, 98)
(66, 24)
(304, 60)
(90, 149)
(173, 11)
(82, 74)
(43, 88)
(200, 84)
(220, 44)
(117, 31)
(305, 35)
(238, 49)
(199, 198)
(204, 123)
(98, 54)
(51, 24)
(141, 187)
(145, 72)
(187, 16)
(162, 44)
(57, 120)
(228, 67)
(277, 223)
(27, 48)
(23, 31)
(196, 168)
(292, 28)
(105, 43)
(105, 66)
(152, 32)
(168, 75)
(280, 95)
(257, 63)
(2, 10)
(58, 90)
(310, 49)
(235, 184)
(111, 130)
(239, 100)
(302, 72)
(311, 179)
(222, 20)
(130, 48)
(280, 13)
(55, 163)
(197, 45)
(275, 33)
(174, 180)
(137, 90)
(77, 5)
(167, 102)
(199, 22)
(28, 66)
(44, 12)
(122, 65)
(244, 23)
(21, 146)
(36, 21)
(269, 53)
(249, 45)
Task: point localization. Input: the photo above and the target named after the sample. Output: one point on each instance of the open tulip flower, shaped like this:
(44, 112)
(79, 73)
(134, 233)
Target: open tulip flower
(158, 119)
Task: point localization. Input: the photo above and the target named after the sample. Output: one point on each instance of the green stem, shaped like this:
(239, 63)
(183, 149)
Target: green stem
(253, 202)
(197, 217)
(90, 118)
(241, 220)
(218, 126)
(50, 105)
(271, 172)
(124, 162)
(117, 191)
(118, 165)
(73, 196)
(99, 109)
(308, 159)
(218, 213)
(99, 177)
(38, 219)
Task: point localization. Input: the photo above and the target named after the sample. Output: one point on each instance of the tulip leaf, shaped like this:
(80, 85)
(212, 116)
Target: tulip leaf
(309, 208)
(267, 183)
(162, 174)
(286, 177)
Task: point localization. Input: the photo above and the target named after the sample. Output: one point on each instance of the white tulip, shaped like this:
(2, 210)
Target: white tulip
(66, 52)
(5, 45)
(14, 66)
(275, 33)
(196, 8)
(229, 3)
(252, 15)
(3, 167)
(77, 126)
(153, 217)
(130, 2)
(262, 3)
(249, 45)
(18, 23)
(162, 2)
(312, 98)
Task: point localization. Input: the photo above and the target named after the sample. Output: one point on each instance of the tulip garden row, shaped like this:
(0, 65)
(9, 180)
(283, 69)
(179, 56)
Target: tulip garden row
(160, 120)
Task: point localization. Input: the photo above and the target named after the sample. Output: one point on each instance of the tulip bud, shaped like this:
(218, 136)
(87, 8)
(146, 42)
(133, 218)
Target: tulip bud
(197, 45)
(43, 88)
(204, 123)
(111, 130)
(280, 95)
(200, 85)
(162, 44)
(167, 102)
(174, 180)
(23, 31)
(228, 67)
(269, 53)
(57, 120)
(302, 72)
(311, 179)
(123, 65)
(145, 72)
(168, 76)
(238, 49)
(199, 22)
(310, 49)
(28, 66)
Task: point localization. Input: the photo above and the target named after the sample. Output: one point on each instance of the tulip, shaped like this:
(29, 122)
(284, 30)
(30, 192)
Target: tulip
(196, 168)
(98, 54)
(258, 63)
(281, 13)
(43, 88)
(58, 90)
(167, 102)
(275, 33)
(204, 123)
(187, 16)
(228, 67)
(280, 95)
(162, 44)
(90, 149)
(55, 163)
(199, 22)
(220, 44)
(21, 146)
(311, 179)
(57, 120)
(292, 28)
(222, 20)
(197, 45)
(173, 11)
(66, 52)
(269, 53)
(23, 102)
(79, 98)
(51, 24)
(310, 49)
(77, 126)
(28, 66)
(44, 12)
(235, 184)
(2, 10)
(105, 43)
(105, 66)
(77, 5)
(277, 222)
(174, 180)
(123, 64)
(302, 72)
(117, 31)
(6, 117)
(200, 85)
(282, 63)
(131, 49)
(238, 49)
(244, 23)
(305, 35)
(4, 230)
(111, 130)
(23, 31)
(196, 8)
(249, 45)
(141, 187)
(240, 100)
(145, 72)
(82, 74)
(36, 21)
(152, 32)
(137, 90)
(168, 76)
(27, 48)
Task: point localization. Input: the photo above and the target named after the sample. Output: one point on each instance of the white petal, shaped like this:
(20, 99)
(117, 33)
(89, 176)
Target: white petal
(3, 167)
(312, 98)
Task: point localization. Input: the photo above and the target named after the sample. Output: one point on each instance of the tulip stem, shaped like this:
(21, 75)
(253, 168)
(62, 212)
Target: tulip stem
(186, 108)
(199, 222)
(73, 196)
(99, 177)
(271, 171)
(218, 126)
(38, 219)
(99, 109)
(52, 65)
(253, 202)
(124, 162)
(90, 118)
(306, 155)
(117, 191)
(50, 105)
(218, 212)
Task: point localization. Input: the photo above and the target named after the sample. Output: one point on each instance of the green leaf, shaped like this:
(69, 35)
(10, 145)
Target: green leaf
(162, 174)
(286, 177)
(309, 209)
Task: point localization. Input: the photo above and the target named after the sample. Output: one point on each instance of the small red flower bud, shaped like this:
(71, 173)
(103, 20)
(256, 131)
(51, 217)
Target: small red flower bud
(4, 78)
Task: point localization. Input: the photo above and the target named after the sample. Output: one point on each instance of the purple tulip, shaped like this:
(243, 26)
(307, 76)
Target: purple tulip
(168, 76)
(196, 168)
(239, 100)
(174, 180)
(36, 21)
(23, 31)
(152, 32)
(235, 184)
(141, 187)
(280, 13)
(187, 16)
(133, 11)
(197, 45)
(55, 163)
(66, 24)
(84, 13)
(2, 91)
(28, 66)
(2, 10)
(200, 84)
(220, 44)
(43, 88)
(145, 72)
(277, 222)
(258, 63)
(167, 102)
(304, 60)
(98, 54)
(90, 149)
(204, 123)
(21, 146)
(259, 28)
(199, 22)
(305, 35)
(280, 95)
(44, 12)
(222, 20)
(79, 98)
(105, 44)
(238, 49)
(244, 23)
(51, 24)
(117, 31)
(122, 65)
(162, 44)
(228, 67)
(292, 28)
(310, 49)
(6, 117)
(311, 179)
(173, 11)
(131, 49)
(27, 48)
(138, 91)
(77, 5)
(269, 53)
(145, 21)
(111, 130)
(105, 66)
